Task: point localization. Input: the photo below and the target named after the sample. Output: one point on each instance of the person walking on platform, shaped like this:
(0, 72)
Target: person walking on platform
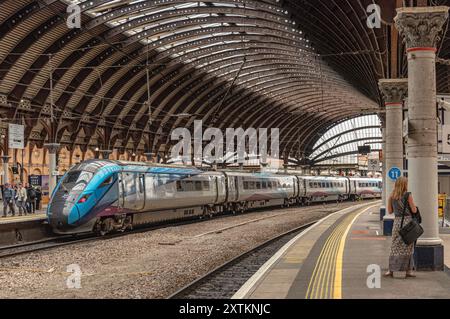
(401, 202)
(8, 200)
(38, 198)
(21, 200)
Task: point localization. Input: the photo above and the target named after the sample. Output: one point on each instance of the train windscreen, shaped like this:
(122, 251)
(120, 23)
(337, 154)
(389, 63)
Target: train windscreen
(76, 181)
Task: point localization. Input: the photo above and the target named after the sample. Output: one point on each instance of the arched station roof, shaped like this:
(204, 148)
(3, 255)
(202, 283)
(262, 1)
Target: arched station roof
(340, 143)
(298, 65)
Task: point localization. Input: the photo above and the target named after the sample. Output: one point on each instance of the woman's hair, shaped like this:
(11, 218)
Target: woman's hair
(400, 188)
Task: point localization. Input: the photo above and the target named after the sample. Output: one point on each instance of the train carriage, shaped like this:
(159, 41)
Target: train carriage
(319, 189)
(247, 190)
(363, 188)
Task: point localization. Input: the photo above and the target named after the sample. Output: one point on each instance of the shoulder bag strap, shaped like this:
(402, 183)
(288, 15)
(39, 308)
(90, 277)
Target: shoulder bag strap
(405, 204)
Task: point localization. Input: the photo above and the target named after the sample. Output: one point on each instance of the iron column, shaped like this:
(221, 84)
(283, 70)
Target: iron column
(52, 150)
(394, 92)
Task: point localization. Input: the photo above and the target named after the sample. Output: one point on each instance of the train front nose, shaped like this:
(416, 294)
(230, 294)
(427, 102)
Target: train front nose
(62, 212)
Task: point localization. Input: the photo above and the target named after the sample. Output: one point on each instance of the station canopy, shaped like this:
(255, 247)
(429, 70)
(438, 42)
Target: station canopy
(340, 144)
(136, 70)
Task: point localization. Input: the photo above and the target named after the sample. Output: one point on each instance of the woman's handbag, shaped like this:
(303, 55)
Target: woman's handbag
(417, 216)
(412, 231)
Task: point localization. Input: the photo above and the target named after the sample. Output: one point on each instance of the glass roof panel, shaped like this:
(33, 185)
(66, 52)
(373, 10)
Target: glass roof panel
(345, 138)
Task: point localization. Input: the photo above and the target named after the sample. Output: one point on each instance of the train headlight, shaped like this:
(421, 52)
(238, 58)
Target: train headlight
(84, 198)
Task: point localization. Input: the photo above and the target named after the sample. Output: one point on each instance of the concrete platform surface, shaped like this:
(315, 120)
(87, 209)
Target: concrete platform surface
(40, 215)
(342, 257)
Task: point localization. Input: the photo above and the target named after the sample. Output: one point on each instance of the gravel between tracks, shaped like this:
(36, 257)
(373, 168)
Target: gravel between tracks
(147, 265)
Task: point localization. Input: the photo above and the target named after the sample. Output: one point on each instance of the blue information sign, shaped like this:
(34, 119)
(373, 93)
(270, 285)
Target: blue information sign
(395, 173)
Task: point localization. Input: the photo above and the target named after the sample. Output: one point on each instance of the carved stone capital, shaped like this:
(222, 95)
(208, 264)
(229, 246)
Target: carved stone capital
(52, 148)
(421, 27)
(393, 90)
(105, 153)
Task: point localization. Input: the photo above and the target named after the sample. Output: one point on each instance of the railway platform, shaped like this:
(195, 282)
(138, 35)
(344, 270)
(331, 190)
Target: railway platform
(344, 256)
(20, 229)
(39, 215)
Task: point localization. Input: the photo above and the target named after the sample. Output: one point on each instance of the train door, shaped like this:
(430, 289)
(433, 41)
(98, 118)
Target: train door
(236, 188)
(121, 190)
(216, 189)
(133, 191)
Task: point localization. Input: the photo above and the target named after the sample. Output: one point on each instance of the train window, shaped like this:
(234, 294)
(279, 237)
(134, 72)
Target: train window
(188, 186)
(245, 185)
(198, 186)
(71, 177)
(258, 185)
(263, 185)
(251, 185)
(179, 186)
(206, 186)
(106, 182)
(141, 183)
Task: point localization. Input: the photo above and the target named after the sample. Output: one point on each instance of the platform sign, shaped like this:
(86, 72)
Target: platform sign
(16, 136)
(395, 173)
(446, 139)
(406, 127)
(374, 165)
(35, 180)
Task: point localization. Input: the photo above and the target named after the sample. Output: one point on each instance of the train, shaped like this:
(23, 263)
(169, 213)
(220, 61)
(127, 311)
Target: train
(103, 196)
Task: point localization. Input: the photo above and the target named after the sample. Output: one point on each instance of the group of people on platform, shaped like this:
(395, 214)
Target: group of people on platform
(24, 198)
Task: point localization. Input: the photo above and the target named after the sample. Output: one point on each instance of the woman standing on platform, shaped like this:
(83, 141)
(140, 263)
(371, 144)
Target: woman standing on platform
(401, 257)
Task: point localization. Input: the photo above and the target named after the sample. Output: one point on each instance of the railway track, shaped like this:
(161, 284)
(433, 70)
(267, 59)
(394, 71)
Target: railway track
(56, 242)
(224, 281)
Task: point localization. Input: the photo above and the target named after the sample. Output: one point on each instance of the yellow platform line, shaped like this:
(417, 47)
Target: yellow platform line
(326, 279)
(340, 257)
(323, 264)
(328, 263)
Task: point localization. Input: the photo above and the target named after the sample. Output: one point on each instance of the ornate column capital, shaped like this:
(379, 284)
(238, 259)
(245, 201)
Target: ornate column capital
(393, 90)
(105, 153)
(421, 27)
(52, 147)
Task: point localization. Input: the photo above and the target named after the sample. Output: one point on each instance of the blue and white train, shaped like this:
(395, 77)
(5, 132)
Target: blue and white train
(102, 196)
